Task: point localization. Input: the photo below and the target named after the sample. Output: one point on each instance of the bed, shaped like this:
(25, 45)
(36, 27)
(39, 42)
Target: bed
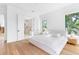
(51, 44)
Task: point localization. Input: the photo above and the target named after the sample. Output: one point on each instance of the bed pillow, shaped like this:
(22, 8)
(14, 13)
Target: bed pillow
(57, 33)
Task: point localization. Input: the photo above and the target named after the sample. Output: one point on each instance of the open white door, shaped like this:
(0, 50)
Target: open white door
(20, 30)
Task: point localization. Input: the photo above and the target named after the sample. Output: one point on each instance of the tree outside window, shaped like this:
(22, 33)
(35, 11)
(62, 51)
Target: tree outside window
(72, 23)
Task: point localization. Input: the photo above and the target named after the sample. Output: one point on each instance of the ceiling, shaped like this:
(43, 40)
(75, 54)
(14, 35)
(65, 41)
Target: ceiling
(39, 8)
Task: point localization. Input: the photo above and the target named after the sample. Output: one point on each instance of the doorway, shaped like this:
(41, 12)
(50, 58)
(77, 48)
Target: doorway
(2, 34)
(28, 28)
(24, 26)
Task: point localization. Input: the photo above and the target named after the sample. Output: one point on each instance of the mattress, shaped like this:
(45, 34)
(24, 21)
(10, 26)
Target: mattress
(51, 45)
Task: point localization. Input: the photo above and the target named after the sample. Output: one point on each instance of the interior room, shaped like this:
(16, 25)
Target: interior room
(39, 29)
(3, 16)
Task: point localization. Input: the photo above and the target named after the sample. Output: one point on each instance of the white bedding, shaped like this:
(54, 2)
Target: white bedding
(52, 45)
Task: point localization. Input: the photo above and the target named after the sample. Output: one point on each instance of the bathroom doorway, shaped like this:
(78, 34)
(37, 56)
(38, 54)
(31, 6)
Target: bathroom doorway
(2, 35)
(3, 29)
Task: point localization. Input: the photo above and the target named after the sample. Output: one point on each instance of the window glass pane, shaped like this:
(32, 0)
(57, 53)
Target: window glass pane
(72, 23)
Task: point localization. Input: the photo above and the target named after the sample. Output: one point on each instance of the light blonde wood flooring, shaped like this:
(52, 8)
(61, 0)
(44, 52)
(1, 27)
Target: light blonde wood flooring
(70, 50)
(26, 48)
(23, 48)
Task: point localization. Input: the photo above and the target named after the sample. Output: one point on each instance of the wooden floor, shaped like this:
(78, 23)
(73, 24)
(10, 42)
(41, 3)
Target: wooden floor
(70, 50)
(25, 48)
(2, 44)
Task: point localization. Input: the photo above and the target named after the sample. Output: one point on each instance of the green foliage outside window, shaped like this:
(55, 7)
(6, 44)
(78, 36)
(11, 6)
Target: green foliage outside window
(72, 23)
(44, 25)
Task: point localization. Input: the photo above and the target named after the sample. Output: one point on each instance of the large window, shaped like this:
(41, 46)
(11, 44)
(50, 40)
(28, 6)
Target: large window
(72, 23)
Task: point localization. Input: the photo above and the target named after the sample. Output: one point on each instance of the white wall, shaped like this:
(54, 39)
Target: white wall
(74, 7)
(11, 24)
(56, 20)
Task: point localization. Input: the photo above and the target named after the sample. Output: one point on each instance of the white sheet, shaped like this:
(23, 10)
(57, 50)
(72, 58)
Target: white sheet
(51, 45)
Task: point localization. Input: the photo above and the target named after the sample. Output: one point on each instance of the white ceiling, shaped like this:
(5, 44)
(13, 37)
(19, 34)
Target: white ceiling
(39, 8)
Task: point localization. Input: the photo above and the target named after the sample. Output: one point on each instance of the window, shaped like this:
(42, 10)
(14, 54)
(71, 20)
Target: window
(44, 25)
(72, 23)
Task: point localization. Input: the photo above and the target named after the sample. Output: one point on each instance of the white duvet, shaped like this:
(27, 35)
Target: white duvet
(52, 45)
